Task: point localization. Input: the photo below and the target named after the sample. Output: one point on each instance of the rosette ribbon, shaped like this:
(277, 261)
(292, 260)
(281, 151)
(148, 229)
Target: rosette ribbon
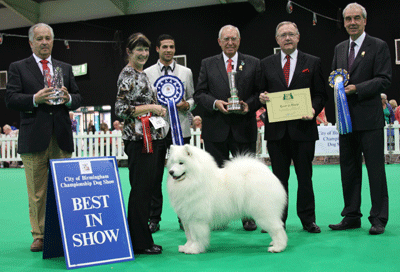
(337, 80)
(170, 91)
(147, 141)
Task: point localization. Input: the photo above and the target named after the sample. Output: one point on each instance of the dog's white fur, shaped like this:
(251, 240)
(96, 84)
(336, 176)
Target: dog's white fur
(205, 196)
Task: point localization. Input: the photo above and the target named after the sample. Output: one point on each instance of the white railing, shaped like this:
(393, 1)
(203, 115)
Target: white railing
(111, 144)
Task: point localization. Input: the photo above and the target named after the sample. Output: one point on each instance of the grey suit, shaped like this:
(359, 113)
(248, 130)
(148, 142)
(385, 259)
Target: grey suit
(186, 76)
(371, 73)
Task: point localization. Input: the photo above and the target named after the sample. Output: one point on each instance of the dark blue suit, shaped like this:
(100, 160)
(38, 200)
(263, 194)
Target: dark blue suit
(218, 129)
(371, 73)
(295, 139)
(38, 123)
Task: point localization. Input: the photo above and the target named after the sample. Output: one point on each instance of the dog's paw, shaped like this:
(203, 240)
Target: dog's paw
(276, 249)
(192, 249)
(182, 248)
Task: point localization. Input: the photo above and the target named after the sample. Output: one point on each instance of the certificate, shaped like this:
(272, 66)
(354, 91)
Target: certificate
(289, 105)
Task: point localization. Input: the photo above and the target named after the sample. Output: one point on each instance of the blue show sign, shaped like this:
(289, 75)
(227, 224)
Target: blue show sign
(91, 213)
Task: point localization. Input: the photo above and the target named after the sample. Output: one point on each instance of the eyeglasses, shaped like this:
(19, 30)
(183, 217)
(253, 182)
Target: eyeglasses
(290, 35)
(233, 39)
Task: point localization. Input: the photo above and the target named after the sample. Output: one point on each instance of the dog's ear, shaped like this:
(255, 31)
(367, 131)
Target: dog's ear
(188, 149)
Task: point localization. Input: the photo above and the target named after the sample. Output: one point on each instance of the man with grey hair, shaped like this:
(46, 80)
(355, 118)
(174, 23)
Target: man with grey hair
(292, 69)
(367, 59)
(225, 132)
(45, 132)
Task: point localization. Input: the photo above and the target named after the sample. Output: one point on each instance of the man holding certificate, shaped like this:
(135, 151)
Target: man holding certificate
(293, 90)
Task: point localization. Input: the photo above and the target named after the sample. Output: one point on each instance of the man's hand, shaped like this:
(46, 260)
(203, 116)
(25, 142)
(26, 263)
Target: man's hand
(65, 95)
(43, 96)
(221, 106)
(350, 89)
(183, 106)
(244, 108)
(309, 117)
(264, 97)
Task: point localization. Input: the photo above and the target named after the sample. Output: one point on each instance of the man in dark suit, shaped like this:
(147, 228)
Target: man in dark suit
(224, 131)
(294, 140)
(45, 132)
(370, 75)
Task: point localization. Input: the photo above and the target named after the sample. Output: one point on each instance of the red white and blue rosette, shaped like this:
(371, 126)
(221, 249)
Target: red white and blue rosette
(337, 80)
(170, 91)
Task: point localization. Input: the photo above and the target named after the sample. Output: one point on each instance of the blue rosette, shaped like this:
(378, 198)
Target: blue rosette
(170, 91)
(337, 80)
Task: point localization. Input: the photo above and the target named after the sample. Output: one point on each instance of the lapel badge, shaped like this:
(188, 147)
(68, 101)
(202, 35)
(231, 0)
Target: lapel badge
(362, 53)
(241, 65)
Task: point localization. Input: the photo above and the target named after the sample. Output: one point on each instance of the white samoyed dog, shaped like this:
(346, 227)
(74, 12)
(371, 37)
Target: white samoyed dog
(205, 196)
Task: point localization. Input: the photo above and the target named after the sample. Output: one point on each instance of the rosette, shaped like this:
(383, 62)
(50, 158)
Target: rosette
(170, 91)
(337, 80)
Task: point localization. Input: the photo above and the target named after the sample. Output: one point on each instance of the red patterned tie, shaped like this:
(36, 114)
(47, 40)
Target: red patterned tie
(46, 72)
(229, 67)
(286, 70)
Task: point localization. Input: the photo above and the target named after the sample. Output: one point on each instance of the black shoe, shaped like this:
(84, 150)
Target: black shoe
(376, 229)
(249, 225)
(312, 228)
(157, 246)
(349, 224)
(154, 226)
(149, 251)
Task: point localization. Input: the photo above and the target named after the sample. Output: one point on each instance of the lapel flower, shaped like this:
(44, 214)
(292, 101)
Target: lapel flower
(362, 53)
(305, 71)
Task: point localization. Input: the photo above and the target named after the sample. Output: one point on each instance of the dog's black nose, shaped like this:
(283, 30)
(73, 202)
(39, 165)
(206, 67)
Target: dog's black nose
(171, 172)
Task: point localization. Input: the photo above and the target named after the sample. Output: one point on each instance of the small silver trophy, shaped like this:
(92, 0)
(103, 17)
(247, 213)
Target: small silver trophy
(57, 82)
(233, 101)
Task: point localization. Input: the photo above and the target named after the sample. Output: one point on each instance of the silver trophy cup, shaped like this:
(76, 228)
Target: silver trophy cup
(57, 82)
(233, 101)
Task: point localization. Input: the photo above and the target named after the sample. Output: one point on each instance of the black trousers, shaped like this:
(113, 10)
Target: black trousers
(352, 146)
(281, 153)
(145, 170)
(157, 196)
(220, 150)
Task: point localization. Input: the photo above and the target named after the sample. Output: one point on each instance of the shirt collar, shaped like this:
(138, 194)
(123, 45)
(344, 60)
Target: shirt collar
(292, 56)
(37, 59)
(359, 40)
(234, 58)
(161, 66)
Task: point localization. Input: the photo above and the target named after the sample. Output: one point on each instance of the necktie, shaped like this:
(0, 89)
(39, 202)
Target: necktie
(166, 68)
(350, 61)
(46, 72)
(229, 67)
(286, 70)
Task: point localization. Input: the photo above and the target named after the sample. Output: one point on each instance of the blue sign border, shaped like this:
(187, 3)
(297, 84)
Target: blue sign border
(71, 254)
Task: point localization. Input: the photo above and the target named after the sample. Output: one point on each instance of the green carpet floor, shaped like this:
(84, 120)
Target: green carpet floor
(233, 249)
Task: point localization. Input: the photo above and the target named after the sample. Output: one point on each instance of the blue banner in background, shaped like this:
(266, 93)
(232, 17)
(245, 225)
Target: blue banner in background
(91, 211)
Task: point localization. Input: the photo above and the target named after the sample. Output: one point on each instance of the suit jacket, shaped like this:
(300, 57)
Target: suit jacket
(371, 73)
(213, 85)
(307, 74)
(38, 123)
(186, 76)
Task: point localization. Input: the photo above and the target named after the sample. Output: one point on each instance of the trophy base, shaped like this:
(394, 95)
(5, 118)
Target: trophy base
(234, 104)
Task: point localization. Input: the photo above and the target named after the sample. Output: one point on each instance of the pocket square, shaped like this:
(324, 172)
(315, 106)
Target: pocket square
(306, 71)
